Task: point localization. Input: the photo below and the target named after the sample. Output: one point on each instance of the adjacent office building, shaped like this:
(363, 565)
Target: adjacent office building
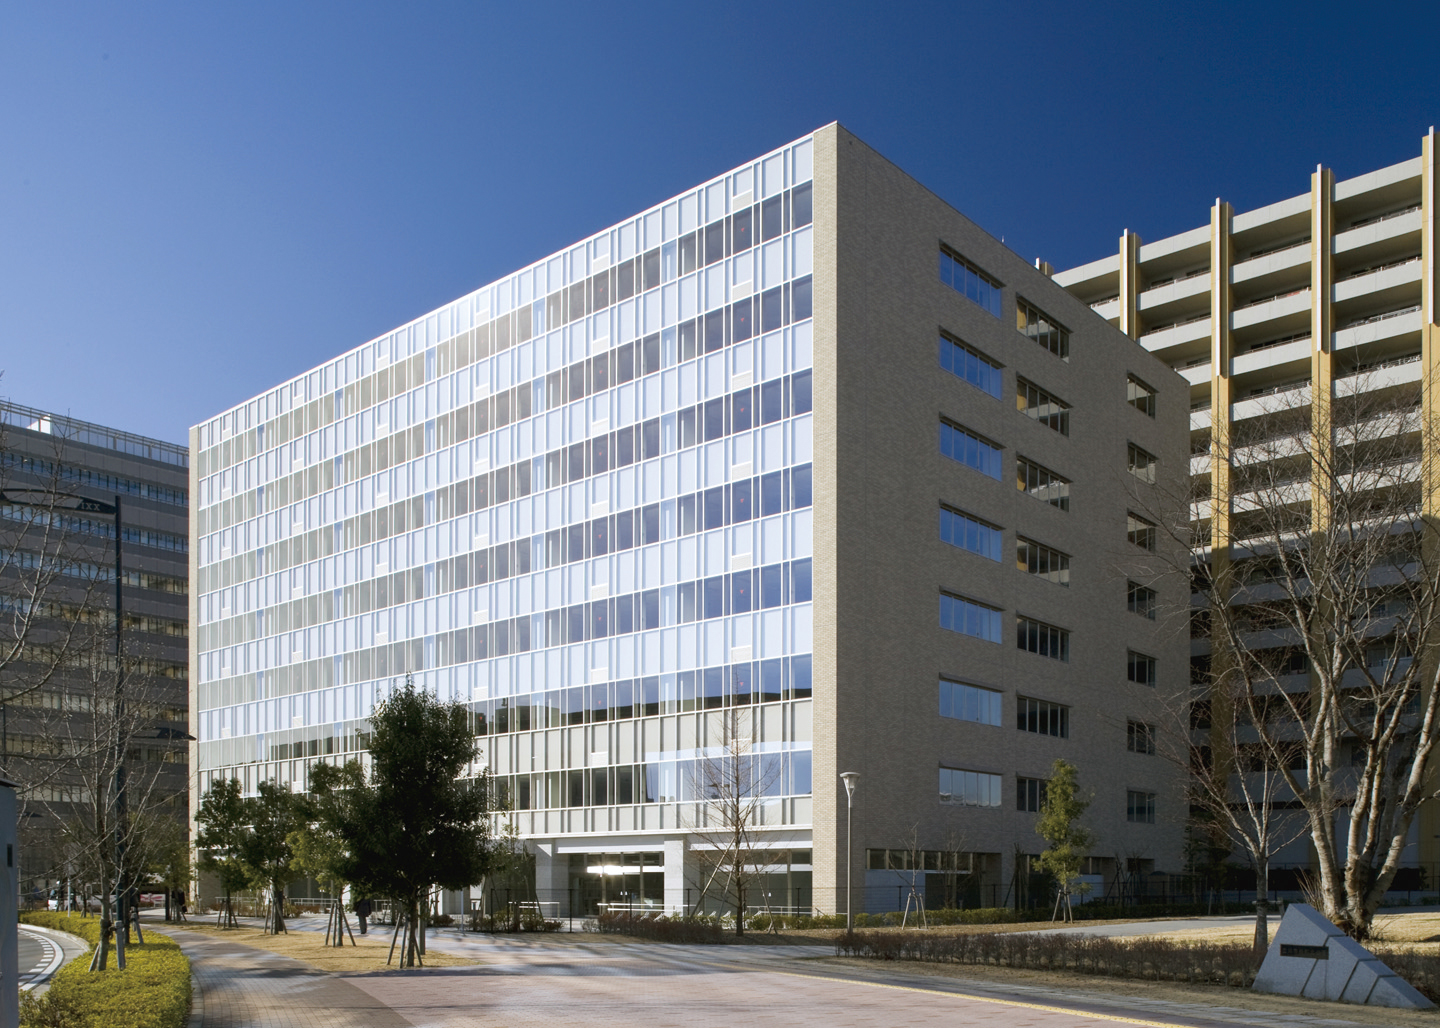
(1330, 292)
(801, 456)
(65, 487)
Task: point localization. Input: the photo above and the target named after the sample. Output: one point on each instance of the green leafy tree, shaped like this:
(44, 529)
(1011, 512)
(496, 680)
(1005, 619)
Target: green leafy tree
(1067, 840)
(224, 823)
(414, 822)
(274, 813)
(320, 850)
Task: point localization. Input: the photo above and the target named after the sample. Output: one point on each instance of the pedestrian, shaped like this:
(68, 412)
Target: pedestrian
(362, 911)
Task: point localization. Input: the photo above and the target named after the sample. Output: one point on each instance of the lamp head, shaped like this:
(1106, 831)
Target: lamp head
(849, 778)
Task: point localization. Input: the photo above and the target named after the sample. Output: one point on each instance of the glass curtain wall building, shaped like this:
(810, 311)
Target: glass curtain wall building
(687, 497)
(578, 499)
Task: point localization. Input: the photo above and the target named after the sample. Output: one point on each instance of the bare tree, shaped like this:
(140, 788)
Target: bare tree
(730, 784)
(54, 566)
(109, 787)
(1237, 788)
(1316, 568)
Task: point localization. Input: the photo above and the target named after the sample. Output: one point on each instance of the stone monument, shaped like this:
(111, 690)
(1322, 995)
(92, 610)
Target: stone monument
(1312, 958)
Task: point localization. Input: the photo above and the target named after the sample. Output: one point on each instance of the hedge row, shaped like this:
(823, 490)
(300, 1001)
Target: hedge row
(663, 928)
(152, 992)
(1229, 963)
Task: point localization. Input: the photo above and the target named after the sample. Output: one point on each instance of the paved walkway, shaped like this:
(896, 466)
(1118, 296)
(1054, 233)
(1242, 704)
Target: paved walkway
(603, 983)
(244, 987)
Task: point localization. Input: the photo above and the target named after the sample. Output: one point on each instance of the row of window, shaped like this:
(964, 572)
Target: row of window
(737, 412)
(975, 451)
(48, 470)
(63, 521)
(727, 236)
(1030, 794)
(981, 537)
(982, 621)
(967, 363)
(776, 493)
(680, 692)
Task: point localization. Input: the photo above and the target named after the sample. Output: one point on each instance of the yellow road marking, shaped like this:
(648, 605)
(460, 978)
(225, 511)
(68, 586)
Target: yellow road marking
(985, 999)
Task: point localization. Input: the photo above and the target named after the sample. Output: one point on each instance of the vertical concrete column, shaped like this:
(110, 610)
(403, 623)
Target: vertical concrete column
(680, 874)
(552, 877)
(1130, 284)
(1429, 817)
(1322, 336)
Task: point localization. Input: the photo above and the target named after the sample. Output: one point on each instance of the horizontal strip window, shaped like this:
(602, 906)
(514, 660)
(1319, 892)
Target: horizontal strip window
(64, 522)
(1139, 668)
(970, 618)
(773, 493)
(969, 788)
(968, 363)
(969, 703)
(1042, 483)
(1042, 717)
(970, 533)
(1039, 638)
(47, 469)
(1030, 794)
(1037, 404)
(960, 444)
(1043, 329)
(1041, 561)
(736, 233)
(969, 281)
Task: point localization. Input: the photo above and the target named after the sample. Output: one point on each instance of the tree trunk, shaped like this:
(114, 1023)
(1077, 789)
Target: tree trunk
(278, 924)
(1262, 908)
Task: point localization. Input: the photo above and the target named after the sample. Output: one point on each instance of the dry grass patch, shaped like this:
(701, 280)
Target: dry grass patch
(308, 947)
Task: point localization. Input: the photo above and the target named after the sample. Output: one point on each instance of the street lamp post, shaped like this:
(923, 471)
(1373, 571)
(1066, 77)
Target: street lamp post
(849, 777)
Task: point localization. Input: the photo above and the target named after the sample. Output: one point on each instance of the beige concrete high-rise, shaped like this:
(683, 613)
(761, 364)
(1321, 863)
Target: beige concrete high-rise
(1328, 293)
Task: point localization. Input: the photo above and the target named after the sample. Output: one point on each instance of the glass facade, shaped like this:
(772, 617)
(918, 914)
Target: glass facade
(577, 499)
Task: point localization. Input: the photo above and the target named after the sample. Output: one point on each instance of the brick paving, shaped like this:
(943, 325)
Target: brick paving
(574, 980)
(244, 987)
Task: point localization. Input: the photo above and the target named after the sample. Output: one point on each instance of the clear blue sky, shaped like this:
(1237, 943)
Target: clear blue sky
(198, 201)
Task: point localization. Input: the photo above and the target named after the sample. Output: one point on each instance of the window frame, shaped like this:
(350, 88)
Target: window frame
(987, 698)
(1058, 561)
(1140, 737)
(991, 299)
(1061, 637)
(1148, 470)
(1031, 399)
(979, 523)
(1136, 388)
(1140, 599)
(1147, 529)
(1041, 328)
(979, 605)
(1042, 717)
(979, 442)
(1144, 660)
(1055, 482)
(950, 343)
(1144, 814)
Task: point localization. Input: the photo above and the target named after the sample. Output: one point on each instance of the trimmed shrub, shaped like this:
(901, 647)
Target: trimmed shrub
(663, 928)
(1156, 959)
(152, 992)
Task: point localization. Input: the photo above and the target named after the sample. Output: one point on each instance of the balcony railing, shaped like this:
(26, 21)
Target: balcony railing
(1384, 217)
(1382, 267)
(1277, 296)
(1372, 319)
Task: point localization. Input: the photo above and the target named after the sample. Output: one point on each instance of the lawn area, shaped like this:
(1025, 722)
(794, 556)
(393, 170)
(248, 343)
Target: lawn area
(367, 955)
